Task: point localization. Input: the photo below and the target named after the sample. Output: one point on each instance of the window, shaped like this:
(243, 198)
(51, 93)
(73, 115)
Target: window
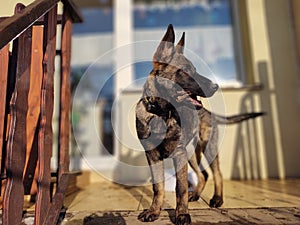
(91, 115)
(209, 27)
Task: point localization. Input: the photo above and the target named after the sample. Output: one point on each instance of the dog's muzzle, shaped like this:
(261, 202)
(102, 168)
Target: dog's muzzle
(184, 97)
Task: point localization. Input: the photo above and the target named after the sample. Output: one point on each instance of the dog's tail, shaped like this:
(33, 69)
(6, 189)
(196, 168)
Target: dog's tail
(237, 118)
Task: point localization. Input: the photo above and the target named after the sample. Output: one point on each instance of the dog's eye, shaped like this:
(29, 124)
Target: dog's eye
(187, 67)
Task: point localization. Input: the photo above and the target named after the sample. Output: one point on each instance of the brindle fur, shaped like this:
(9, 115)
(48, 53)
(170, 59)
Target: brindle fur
(159, 123)
(166, 124)
(208, 145)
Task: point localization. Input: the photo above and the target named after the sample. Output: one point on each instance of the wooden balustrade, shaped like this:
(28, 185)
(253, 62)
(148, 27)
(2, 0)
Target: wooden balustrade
(26, 108)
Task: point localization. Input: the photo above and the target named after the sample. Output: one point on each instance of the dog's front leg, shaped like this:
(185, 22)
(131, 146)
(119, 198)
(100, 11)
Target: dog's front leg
(181, 168)
(157, 173)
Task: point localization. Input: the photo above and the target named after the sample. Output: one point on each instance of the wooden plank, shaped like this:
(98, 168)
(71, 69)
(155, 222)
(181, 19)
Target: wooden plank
(262, 216)
(46, 133)
(199, 216)
(4, 57)
(33, 113)
(16, 147)
(287, 186)
(169, 201)
(64, 124)
(53, 212)
(65, 96)
(244, 194)
(30, 172)
(16, 24)
(286, 215)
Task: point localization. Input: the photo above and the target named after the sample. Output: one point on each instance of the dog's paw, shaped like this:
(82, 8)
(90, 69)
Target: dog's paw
(193, 196)
(216, 201)
(183, 219)
(148, 216)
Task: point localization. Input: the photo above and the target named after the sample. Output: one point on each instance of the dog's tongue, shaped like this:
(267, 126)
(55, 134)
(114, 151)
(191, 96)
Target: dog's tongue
(196, 102)
(184, 96)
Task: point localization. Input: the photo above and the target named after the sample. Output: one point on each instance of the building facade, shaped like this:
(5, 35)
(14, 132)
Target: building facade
(250, 47)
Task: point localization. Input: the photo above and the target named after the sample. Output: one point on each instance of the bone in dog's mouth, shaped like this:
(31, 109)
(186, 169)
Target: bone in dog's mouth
(188, 97)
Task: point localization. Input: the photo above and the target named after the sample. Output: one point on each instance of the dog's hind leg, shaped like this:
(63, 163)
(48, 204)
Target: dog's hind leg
(217, 199)
(157, 173)
(212, 156)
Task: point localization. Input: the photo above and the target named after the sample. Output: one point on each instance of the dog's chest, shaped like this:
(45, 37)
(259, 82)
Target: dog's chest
(163, 129)
(172, 138)
(157, 133)
(167, 139)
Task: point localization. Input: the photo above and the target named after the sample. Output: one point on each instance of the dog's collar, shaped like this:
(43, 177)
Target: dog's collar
(146, 100)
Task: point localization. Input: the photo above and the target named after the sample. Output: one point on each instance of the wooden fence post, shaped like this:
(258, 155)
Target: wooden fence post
(16, 146)
(33, 115)
(64, 121)
(4, 56)
(45, 133)
(65, 95)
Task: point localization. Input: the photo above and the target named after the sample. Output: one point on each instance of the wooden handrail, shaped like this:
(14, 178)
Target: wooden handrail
(13, 26)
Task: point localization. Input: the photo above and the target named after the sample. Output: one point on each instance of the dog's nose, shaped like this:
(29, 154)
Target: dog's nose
(215, 87)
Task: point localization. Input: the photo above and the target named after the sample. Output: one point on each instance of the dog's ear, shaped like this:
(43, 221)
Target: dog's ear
(180, 44)
(165, 49)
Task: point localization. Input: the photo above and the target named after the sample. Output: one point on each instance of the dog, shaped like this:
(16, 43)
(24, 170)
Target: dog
(207, 144)
(167, 121)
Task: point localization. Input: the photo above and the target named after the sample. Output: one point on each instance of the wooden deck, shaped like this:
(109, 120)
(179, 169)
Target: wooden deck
(245, 202)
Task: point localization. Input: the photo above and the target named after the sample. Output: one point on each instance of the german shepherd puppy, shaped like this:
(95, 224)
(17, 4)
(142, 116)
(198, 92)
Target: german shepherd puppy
(207, 144)
(167, 120)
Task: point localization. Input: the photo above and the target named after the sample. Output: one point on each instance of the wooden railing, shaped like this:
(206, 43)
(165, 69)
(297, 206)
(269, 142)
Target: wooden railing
(26, 108)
